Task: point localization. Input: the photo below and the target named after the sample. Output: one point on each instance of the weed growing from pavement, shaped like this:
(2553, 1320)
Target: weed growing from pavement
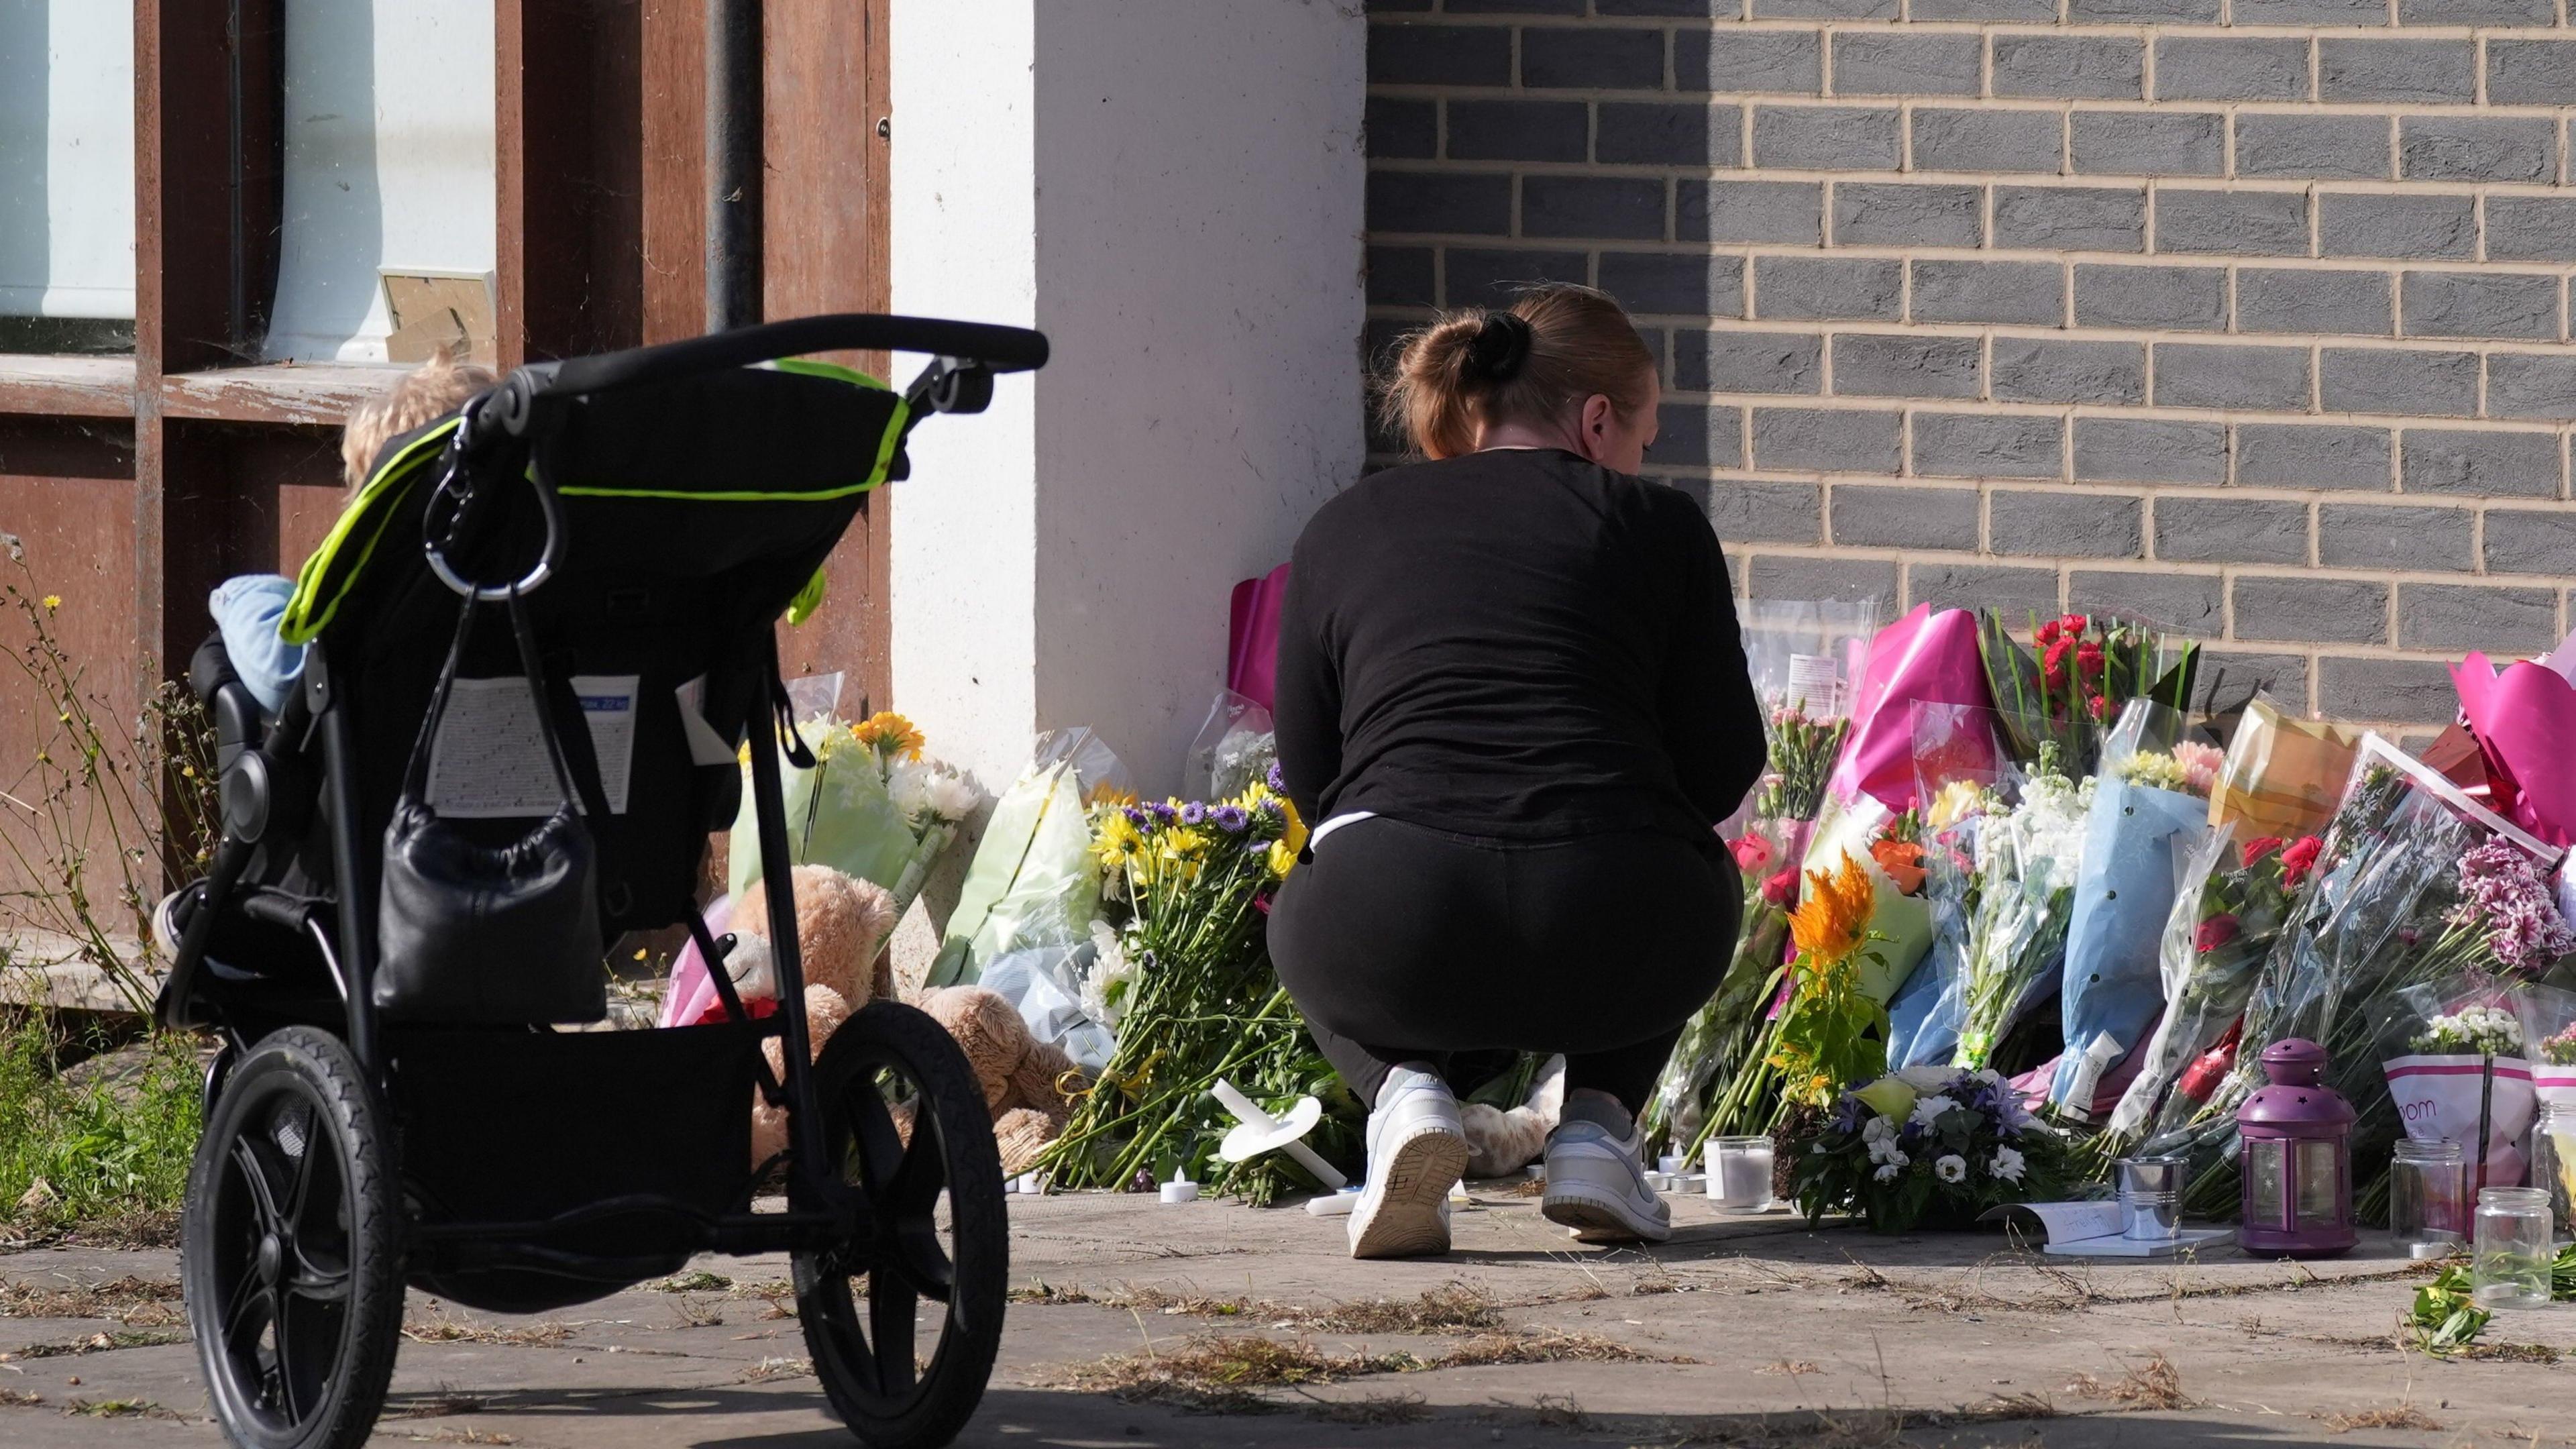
(121, 1409)
(448, 1330)
(2392, 1416)
(1453, 1308)
(94, 1152)
(134, 1302)
(1223, 1373)
(2154, 1384)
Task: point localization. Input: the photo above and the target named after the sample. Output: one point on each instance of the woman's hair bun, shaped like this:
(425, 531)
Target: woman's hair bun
(1501, 346)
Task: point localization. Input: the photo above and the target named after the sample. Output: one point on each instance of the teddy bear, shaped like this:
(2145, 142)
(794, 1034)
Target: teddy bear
(842, 924)
(1029, 1085)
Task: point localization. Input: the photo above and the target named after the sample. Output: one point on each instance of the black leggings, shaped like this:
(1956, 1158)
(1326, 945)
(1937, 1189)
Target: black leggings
(1403, 944)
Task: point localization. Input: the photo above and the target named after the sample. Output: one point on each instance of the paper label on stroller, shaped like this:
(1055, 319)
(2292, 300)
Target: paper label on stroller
(489, 762)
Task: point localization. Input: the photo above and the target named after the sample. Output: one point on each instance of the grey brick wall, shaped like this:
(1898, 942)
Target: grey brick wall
(2249, 317)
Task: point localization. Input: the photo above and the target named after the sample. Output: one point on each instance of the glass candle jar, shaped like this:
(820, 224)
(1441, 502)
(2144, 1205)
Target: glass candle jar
(2514, 1249)
(1739, 1173)
(2553, 1164)
(2428, 1198)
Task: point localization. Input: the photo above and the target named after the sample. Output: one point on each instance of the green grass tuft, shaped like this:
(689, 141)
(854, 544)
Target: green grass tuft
(107, 1148)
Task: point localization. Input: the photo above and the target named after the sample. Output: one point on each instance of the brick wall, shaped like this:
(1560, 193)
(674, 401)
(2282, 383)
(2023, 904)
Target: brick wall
(2245, 316)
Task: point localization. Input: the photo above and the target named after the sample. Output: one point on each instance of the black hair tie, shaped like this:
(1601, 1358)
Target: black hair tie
(1501, 346)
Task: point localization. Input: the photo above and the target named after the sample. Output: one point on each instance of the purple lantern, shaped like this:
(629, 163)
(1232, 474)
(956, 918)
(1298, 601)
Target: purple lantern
(2296, 1154)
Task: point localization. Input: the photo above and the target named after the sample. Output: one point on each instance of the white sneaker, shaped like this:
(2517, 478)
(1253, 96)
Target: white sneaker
(1416, 1153)
(1597, 1187)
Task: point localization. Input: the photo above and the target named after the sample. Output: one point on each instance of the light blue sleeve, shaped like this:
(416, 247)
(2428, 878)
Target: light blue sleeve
(246, 611)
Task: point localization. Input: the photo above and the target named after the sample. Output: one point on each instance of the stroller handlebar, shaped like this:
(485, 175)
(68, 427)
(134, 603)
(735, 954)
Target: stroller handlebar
(994, 348)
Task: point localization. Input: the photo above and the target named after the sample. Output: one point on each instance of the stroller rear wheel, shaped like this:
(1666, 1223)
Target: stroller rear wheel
(291, 1264)
(904, 1122)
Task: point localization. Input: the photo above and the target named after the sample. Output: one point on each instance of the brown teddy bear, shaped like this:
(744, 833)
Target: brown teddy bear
(842, 924)
(1029, 1085)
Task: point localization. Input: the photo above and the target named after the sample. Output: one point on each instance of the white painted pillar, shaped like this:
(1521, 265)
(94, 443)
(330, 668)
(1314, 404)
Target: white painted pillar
(1171, 190)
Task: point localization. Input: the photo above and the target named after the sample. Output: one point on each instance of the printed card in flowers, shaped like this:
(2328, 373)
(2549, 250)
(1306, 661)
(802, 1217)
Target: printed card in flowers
(1926, 1147)
(2456, 1071)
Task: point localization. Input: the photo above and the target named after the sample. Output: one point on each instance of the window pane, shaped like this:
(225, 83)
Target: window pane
(66, 175)
(389, 170)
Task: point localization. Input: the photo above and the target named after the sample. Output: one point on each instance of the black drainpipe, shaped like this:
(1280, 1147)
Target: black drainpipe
(733, 163)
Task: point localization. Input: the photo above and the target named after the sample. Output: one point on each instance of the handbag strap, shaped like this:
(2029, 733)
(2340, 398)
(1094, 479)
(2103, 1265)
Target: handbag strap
(416, 774)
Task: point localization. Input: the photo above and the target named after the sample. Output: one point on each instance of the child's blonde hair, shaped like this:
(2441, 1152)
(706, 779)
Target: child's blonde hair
(427, 392)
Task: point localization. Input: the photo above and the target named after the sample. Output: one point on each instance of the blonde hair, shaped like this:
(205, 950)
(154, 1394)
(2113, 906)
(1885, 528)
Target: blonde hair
(427, 392)
(1477, 369)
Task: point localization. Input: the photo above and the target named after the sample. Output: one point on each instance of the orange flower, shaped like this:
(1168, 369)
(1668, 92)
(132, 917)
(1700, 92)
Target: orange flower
(1833, 918)
(891, 733)
(1903, 862)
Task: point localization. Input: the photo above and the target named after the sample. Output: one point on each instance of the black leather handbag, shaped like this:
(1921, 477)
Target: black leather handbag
(469, 933)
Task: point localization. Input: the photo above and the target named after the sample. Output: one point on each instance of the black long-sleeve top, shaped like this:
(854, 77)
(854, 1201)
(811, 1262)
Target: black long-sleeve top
(1514, 644)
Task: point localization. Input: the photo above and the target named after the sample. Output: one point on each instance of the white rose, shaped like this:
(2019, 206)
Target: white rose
(1950, 1167)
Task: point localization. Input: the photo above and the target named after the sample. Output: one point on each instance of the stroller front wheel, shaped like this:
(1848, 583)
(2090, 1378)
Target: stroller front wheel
(289, 1251)
(904, 1122)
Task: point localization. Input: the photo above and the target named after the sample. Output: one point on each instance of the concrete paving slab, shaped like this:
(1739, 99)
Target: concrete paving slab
(1753, 1332)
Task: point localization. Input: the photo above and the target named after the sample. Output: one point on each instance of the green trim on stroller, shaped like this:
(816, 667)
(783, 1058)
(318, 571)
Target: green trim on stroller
(328, 576)
(307, 612)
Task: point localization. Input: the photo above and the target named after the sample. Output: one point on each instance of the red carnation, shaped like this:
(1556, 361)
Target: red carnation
(2074, 625)
(2100, 704)
(1782, 890)
(2048, 632)
(2217, 931)
(2053, 663)
(2088, 658)
(2260, 847)
(2299, 859)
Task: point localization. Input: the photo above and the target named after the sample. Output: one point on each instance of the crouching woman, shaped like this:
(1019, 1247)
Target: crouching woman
(1512, 693)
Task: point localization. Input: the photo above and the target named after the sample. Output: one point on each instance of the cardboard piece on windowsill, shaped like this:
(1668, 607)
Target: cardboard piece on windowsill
(432, 310)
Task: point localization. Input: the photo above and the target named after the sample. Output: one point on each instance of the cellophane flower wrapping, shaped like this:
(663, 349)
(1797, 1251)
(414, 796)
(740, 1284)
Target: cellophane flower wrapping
(1958, 762)
(2453, 1054)
(1034, 883)
(2028, 856)
(1926, 1145)
(2376, 919)
(1923, 658)
(1886, 848)
(2149, 814)
(1186, 885)
(1233, 750)
(2525, 723)
(871, 806)
(2062, 691)
(1806, 658)
(2283, 776)
(2549, 1036)
(1718, 1037)
(2227, 915)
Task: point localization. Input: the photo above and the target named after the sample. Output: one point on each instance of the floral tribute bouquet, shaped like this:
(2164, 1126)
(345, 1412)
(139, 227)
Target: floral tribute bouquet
(2403, 896)
(2067, 686)
(1830, 1030)
(1194, 997)
(1718, 1037)
(2453, 1053)
(2149, 814)
(1923, 1019)
(872, 806)
(1927, 1145)
(2226, 918)
(2027, 859)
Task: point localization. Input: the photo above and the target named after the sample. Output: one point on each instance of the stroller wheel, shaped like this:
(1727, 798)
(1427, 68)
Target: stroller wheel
(903, 1322)
(290, 1259)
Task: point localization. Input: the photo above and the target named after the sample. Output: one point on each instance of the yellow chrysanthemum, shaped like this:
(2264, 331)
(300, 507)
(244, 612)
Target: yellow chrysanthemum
(1182, 843)
(1117, 840)
(890, 733)
(1282, 859)
(1295, 839)
(1107, 794)
(1833, 918)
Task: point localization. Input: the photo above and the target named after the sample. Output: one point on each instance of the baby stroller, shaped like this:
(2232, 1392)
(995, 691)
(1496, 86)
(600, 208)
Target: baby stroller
(394, 1102)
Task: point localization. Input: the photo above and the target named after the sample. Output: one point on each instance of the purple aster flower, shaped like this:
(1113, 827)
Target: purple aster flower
(1136, 816)
(1274, 779)
(1194, 813)
(1230, 818)
(1164, 813)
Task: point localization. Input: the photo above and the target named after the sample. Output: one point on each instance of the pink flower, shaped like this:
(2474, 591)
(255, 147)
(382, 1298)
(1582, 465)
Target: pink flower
(1753, 853)
(2217, 931)
(1782, 890)
(2200, 765)
(2260, 847)
(2299, 859)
